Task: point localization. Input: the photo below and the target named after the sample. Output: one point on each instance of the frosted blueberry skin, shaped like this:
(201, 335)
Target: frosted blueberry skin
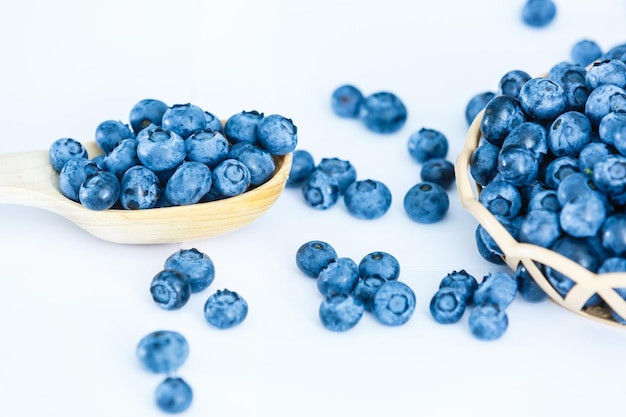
(342, 170)
(426, 144)
(502, 114)
(566, 71)
(339, 277)
(501, 198)
(241, 127)
(277, 134)
(340, 312)
(530, 135)
(301, 167)
(603, 100)
(320, 190)
(542, 99)
(122, 157)
(100, 191)
(189, 183)
(487, 247)
(365, 290)
(585, 51)
(184, 119)
(259, 161)
(498, 288)
(367, 199)
(207, 146)
(140, 188)
(426, 203)
(64, 149)
(170, 289)
(527, 287)
(538, 13)
(483, 164)
(559, 169)
(613, 234)
(110, 133)
(545, 200)
(146, 112)
(383, 112)
(612, 131)
(592, 153)
(476, 104)
(608, 71)
(313, 256)
(161, 150)
(517, 165)
(346, 101)
(569, 134)
(197, 266)
(447, 305)
(511, 83)
(73, 174)
(540, 227)
(394, 303)
(225, 309)
(381, 265)
(213, 122)
(609, 174)
(230, 178)
(583, 215)
(162, 351)
(462, 282)
(173, 395)
(488, 322)
(438, 170)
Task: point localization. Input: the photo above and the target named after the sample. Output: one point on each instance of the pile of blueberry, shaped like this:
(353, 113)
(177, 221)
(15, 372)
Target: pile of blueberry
(349, 289)
(551, 162)
(171, 156)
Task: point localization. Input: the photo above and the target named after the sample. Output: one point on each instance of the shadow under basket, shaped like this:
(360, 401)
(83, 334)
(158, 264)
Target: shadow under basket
(585, 283)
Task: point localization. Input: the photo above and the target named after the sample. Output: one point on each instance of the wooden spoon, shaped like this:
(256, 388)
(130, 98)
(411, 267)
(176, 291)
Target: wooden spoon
(27, 178)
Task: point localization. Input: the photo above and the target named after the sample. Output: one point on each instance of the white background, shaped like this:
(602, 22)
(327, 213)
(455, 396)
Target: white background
(73, 308)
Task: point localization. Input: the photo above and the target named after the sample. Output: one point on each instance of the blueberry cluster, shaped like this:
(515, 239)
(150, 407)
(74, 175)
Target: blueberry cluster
(163, 352)
(350, 289)
(188, 271)
(332, 179)
(552, 164)
(382, 112)
(171, 156)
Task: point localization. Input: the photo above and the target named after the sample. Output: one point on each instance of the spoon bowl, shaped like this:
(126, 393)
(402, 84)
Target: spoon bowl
(27, 178)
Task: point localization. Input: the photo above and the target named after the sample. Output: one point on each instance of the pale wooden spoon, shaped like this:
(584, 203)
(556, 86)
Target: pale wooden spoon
(27, 178)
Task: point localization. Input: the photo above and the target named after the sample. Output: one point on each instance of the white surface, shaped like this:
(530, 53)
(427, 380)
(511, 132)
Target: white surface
(73, 307)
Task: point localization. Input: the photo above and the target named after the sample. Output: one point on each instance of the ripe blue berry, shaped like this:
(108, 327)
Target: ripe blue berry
(497, 288)
(447, 305)
(277, 134)
(207, 146)
(461, 281)
(394, 303)
(488, 321)
(502, 114)
(302, 166)
(379, 264)
(585, 51)
(173, 395)
(339, 277)
(367, 199)
(313, 256)
(320, 190)
(241, 127)
(365, 290)
(100, 191)
(476, 104)
(73, 174)
(383, 112)
(340, 312)
(161, 150)
(231, 177)
(64, 149)
(170, 289)
(569, 134)
(225, 309)
(527, 287)
(122, 157)
(483, 165)
(346, 101)
(198, 267)
(162, 351)
(110, 133)
(607, 71)
(438, 170)
(140, 188)
(542, 98)
(511, 83)
(259, 161)
(538, 13)
(145, 113)
(426, 144)
(501, 198)
(213, 122)
(184, 119)
(426, 203)
(342, 170)
(189, 183)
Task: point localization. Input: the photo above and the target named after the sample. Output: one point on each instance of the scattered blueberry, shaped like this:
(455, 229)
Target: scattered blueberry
(302, 166)
(394, 303)
(340, 312)
(380, 265)
(538, 13)
(346, 101)
(170, 289)
(320, 190)
(339, 277)
(197, 266)
(342, 170)
(162, 351)
(426, 144)
(447, 305)
(365, 290)
(173, 395)
(225, 309)
(383, 112)
(461, 281)
(313, 256)
(488, 321)
(497, 288)
(438, 170)
(367, 199)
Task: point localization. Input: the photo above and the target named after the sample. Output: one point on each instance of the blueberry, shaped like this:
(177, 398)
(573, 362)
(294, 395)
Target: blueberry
(184, 119)
(170, 289)
(592, 153)
(189, 183)
(530, 135)
(502, 114)
(313, 256)
(566, 71)
(225, 309)
(365, 290)
(569, 134)
(542, 98)
(259, 161)
(576, 94)
(488, 322)
(99, 191)
(302, 166)
(241, 127)
(346, 101)
(585, 51)
(476, 104)
(497, 288)
(320, 190)
(140, 188)
(609, 174)
(438, 170)
(122, 157)
(527, 287)
(64, 149)
(612, 131)
(483, 164)
(110, 133)
(146, 112)
(538, 13)
(464, 283)
(501, 198)
(613, 234)
(394, 303)
(161, 150)
(511, 83)
(558, 169)
(540, 227)
(342, 170)
(517, 165)
(426, 144)
(73, 174)
(383, 112)
(277, 134)
(207, 146)
(487, 247)
(163, 351)
(575, 185)
(230, 178)
(379, 264)
(213, 122)
(603, 100)
(340, 312)
(173, 395)
(426, 202)
(367, 199)
(608, 71)
(339, 277)
(447, 305)
(616, 52)
(583, 215)
(198, 267)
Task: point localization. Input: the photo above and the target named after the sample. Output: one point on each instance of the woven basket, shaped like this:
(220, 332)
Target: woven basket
(586, 283)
